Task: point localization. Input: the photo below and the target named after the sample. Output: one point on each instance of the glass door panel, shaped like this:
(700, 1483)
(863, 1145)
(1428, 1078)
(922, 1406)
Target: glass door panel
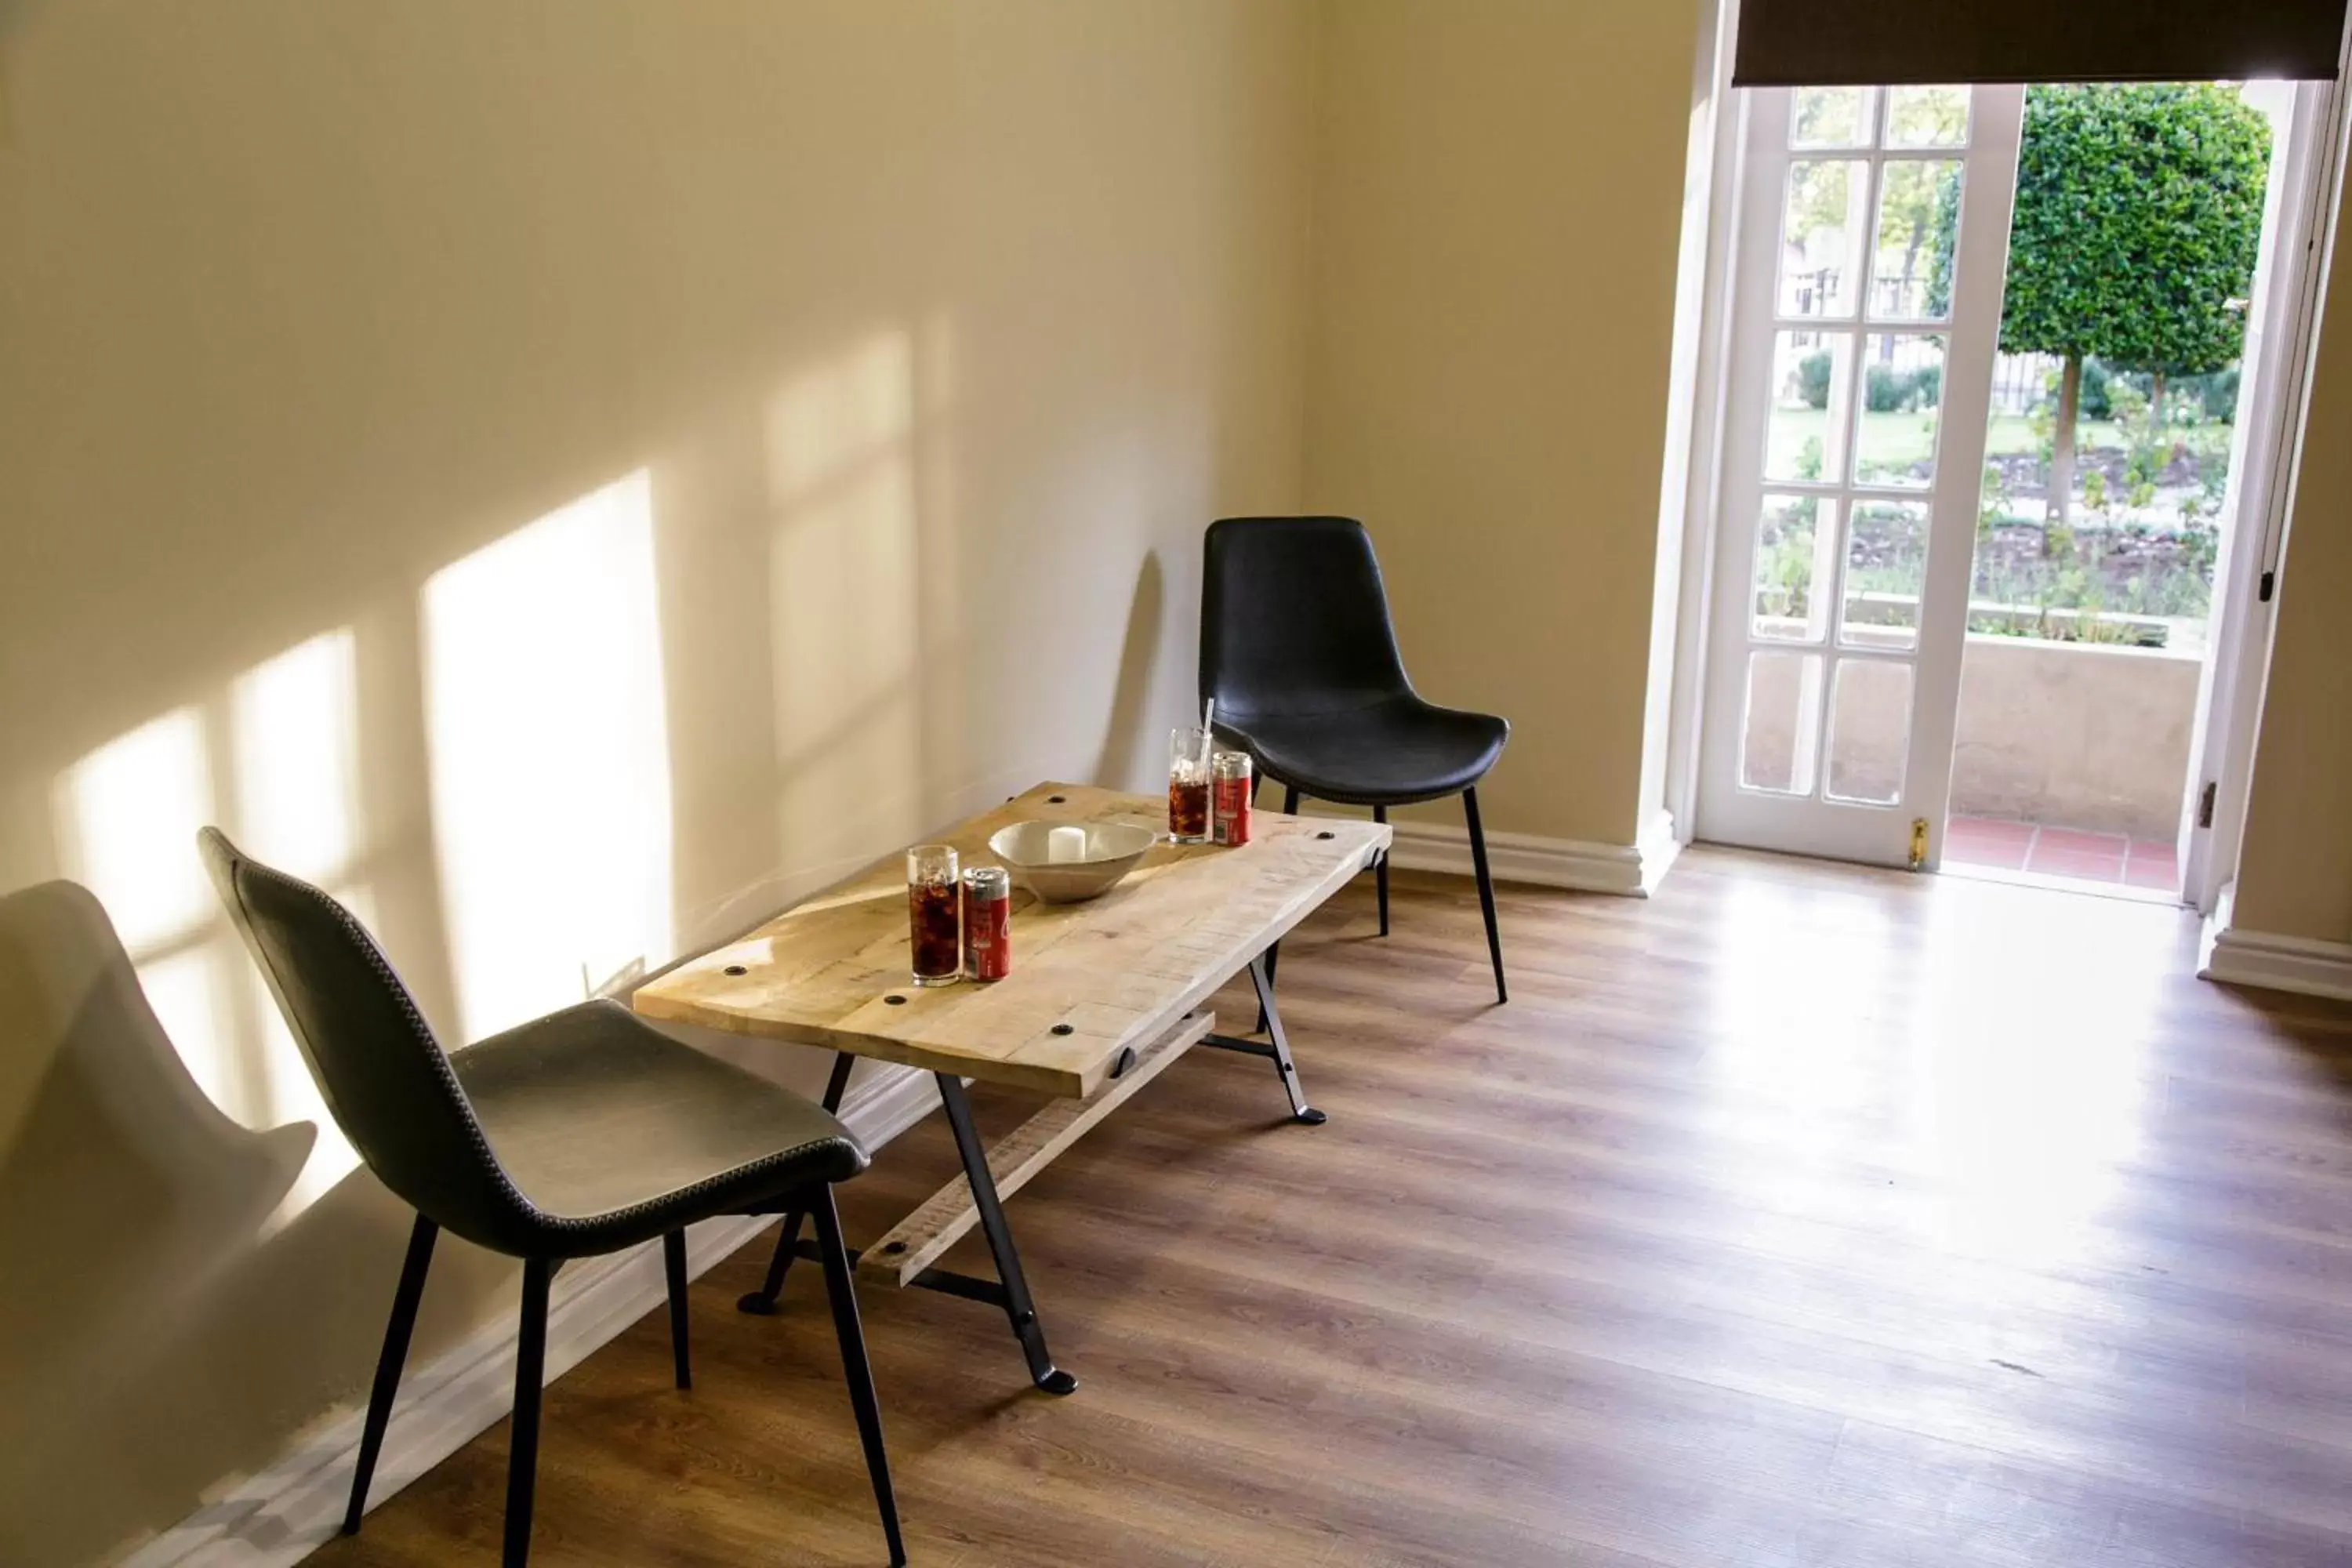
(1872, 226)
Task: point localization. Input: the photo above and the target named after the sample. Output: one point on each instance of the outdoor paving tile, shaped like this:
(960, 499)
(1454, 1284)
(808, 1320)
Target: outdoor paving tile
(1990, 829)
(2085, 866)
(2152, 864)
(2076, 841)
(2007, 854)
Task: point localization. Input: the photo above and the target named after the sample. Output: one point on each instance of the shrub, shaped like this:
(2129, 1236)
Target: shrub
(2096, 403)
(1887, 390)
(1814, 378)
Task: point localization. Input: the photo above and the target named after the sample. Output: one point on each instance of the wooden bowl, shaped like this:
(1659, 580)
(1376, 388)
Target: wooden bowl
(1112, 848)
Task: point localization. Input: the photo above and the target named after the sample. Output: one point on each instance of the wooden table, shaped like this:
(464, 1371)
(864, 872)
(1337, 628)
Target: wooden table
(1102, 997)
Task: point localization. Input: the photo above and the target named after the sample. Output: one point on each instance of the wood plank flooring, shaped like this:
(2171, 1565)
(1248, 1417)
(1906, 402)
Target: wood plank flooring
(1799, 1216)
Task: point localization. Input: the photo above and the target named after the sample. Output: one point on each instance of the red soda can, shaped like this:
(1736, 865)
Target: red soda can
(987, 922)
(1231, 785)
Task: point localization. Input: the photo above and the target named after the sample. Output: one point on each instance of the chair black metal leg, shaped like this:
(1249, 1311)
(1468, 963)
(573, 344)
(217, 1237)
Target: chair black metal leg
(1262, 977)
(1381, 872)
(854, 1365)
(388, 1365)
(1486, 889)
(1018, 1307)
(674, 1264)
(522, 1443)
(761, 1303)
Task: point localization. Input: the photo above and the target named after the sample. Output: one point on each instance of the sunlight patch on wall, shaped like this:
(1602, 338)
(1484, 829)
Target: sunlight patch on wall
(295, 721)
(295, 724)
(550, 763)
(846, 594)
(128, 815)
(274, 761)
(828, 422)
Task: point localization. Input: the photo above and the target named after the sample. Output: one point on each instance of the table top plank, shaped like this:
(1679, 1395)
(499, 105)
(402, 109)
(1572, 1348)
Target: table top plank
(1118, 971)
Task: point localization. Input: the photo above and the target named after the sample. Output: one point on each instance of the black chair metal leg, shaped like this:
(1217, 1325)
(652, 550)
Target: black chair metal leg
(854, 1367)
(761, 1303)
(388, 1365)
(674, 1264)
(1486, 889)
(1018, 1308)
(522, 1443)
(1381, 872)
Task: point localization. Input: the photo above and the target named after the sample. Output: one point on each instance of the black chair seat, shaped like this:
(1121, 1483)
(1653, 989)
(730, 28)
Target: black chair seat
(1392, 753)
(616, 1134)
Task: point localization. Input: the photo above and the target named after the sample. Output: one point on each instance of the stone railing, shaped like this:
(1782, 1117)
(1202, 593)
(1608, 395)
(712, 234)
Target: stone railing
(2088, 735)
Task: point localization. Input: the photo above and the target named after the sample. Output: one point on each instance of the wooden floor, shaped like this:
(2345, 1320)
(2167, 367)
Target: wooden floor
(1797, 1216)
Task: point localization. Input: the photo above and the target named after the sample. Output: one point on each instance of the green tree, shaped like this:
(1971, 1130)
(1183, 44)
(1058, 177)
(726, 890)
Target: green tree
(2139, 219)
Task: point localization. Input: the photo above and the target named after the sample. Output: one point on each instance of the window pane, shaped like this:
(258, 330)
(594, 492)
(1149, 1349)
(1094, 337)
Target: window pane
(1784, 716)
(1831, 116)
(1812, 403)
(1885, 574)
(1911, 256)
(1902, 388)
(1870, 731)
(1792, 573)
(1820, 237)
(1928, 117)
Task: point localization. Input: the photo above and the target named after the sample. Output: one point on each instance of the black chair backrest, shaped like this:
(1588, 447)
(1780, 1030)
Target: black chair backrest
(1294, 618)
(377, 1064)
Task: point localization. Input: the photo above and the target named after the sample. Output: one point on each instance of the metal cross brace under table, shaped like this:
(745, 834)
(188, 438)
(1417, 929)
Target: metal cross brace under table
(1010, 1289)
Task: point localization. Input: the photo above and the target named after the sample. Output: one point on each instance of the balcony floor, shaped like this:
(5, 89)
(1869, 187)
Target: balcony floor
(2110, 858)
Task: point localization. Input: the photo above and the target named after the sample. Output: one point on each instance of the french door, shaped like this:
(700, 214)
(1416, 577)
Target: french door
(1873, 238)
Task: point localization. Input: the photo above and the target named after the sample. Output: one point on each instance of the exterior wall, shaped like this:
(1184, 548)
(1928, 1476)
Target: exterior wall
(2061, 733)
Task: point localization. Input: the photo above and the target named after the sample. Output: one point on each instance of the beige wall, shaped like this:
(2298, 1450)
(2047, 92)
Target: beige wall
(2295, 874)
(1498, 207)
(567, 474)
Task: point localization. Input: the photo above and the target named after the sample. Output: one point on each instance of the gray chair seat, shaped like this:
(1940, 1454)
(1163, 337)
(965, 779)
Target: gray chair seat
(617, 1133)
(578, 1134)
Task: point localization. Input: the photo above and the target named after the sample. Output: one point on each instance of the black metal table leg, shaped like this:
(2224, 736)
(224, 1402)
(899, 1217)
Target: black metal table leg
(1275, 1048)
(1018, 1308)
(762, 1302)
(1262, 977)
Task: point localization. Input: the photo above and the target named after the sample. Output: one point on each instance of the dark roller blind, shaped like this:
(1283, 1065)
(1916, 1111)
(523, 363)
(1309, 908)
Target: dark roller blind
(1835, 43)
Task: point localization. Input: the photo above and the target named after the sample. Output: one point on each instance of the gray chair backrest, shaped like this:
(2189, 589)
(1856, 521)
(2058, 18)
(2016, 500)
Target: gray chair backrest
(383, 1074)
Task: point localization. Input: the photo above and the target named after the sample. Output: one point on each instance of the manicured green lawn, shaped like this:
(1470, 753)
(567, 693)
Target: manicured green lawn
(1899, 440)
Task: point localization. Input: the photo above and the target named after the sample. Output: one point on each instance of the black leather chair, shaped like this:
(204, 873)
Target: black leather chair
(1298, 649)
(579, 1134)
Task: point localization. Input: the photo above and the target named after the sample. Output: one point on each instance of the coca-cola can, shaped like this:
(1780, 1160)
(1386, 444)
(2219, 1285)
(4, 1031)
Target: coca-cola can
(987, 922)
(1231, 785)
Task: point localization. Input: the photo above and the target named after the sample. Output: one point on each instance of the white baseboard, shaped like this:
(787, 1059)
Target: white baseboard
(282, 1515)
(2232, 955)
(1631, 870)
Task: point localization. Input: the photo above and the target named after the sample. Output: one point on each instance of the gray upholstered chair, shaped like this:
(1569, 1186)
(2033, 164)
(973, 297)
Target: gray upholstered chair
(581, 1133)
